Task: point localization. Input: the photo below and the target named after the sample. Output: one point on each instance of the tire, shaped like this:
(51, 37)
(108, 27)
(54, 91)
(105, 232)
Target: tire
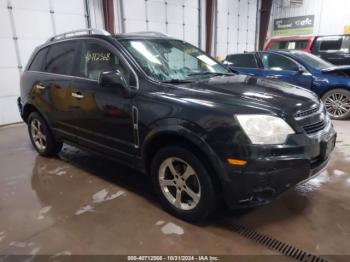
(197, 194)
(337, 103)
(43, 141)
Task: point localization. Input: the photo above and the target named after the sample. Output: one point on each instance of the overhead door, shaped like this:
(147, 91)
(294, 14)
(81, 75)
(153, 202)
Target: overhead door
(235, 26)
(23, 26)
(178, 18)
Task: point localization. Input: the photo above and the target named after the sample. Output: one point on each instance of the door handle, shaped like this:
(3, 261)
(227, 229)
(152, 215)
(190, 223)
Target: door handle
(77, 95)
(272, 77)
(40, 86)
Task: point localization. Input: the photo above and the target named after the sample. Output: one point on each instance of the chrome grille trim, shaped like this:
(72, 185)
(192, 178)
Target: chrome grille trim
(316, 126)
(309, 112)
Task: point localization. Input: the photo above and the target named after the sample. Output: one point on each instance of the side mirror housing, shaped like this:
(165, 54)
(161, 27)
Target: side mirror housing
(113, 79)
(301, 70)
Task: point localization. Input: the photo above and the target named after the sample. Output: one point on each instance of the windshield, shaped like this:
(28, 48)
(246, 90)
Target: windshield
(169, 59)
(312, 60)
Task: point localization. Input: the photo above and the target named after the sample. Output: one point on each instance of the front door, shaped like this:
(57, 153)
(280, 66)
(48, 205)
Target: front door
(105, 116)
(277, 66)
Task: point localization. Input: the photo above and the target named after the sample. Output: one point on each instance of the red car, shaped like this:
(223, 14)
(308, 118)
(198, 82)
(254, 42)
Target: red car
(333, 48)
(292, 42)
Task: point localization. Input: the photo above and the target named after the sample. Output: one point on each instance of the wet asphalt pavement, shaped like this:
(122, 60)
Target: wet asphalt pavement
(79, 203)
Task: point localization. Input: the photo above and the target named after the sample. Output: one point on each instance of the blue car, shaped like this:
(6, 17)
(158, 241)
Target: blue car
(331, 83)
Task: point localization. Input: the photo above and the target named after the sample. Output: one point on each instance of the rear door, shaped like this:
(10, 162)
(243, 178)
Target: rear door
(244, 63)
(104, 116)
(54, 86)
(277, 66)
(334, 49)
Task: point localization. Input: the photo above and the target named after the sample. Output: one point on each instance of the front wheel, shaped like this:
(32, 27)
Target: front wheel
(182, 183)
(41, 136)
(337, 103)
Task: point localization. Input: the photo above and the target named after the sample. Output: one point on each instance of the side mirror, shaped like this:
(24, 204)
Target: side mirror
(113, 79)
(301, 70)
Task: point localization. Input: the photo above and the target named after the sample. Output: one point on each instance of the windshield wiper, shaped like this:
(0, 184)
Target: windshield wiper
(176, 81)
(211, 74)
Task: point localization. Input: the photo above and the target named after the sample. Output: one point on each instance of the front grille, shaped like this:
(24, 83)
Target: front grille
(313, 119)
(315, 127)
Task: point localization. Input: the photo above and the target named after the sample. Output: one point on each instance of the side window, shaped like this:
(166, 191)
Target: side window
(96, 58)
(278, 62)
(60, 58)
(244, 60)
(331, 44)
(38, 61)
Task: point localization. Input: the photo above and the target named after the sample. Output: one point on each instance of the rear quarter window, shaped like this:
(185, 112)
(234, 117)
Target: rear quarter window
(38, 60)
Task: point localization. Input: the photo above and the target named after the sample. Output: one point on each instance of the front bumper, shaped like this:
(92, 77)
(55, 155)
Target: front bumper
(271, 171)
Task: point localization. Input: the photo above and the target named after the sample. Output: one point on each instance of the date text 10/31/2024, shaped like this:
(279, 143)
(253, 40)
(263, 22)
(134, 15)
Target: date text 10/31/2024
(173, 258)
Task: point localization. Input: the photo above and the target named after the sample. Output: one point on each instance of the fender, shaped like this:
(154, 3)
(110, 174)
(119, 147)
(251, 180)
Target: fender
(189, 131)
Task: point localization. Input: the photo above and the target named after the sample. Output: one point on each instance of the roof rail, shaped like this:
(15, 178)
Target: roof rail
(146, 33)
(86, 31)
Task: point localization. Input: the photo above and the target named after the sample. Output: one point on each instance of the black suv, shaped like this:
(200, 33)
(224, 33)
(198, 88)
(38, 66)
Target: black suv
(164, 107)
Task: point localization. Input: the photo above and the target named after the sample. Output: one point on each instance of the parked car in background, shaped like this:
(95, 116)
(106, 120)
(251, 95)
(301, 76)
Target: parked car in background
(331, 83)
(163, 107)
(303, 43)
(335, 49)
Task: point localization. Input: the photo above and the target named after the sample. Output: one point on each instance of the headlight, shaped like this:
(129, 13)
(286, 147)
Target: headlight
(264, 129)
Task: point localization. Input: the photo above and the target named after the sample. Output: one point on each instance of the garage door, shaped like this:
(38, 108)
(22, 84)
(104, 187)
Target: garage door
(178, 18)
(23, 26)
(236, 26)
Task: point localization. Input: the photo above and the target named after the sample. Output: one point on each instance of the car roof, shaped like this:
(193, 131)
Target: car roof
(142, 35)
(244, 53)
(275, 51)
(100, 34)
(285, 52)
(287, 38)
(97, 33)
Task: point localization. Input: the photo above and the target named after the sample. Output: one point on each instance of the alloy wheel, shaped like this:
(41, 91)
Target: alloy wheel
(38, 134)
(337, 104)
(179, 183)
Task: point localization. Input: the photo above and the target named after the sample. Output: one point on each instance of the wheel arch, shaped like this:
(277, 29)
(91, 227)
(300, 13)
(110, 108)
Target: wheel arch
(28, 109)
(180, 137)
(326, 90)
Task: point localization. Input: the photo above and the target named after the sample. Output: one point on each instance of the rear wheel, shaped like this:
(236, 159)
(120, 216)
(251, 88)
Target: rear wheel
(183, 184)
(41, 136)
(337, 103)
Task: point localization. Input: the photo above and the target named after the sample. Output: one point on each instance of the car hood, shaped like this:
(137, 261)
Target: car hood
(345, 69)
(249, 91)
(336, 68)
